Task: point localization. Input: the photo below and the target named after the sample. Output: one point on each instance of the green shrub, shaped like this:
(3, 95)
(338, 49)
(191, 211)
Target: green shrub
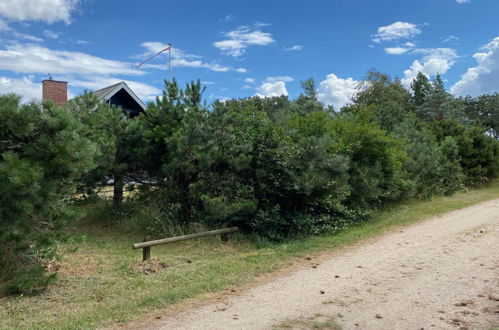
(478, 152)
(30, 281)
(433, 167)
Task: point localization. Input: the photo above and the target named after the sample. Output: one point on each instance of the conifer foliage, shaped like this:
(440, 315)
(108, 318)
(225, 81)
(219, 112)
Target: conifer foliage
(43, 151)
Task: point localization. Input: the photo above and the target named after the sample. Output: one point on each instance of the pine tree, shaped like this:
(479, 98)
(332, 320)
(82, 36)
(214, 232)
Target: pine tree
(43, 151)
(421, 88)
(439, 105)
(307, 102)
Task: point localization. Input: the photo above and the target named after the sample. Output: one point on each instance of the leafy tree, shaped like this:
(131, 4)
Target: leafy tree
(484, 110)
(376, 162)
(383, 100)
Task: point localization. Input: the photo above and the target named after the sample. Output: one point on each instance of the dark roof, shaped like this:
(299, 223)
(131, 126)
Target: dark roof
(107, 92)
(101, 93)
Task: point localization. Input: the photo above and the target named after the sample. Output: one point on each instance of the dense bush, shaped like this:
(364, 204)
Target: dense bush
(280, 168)
(266, 165)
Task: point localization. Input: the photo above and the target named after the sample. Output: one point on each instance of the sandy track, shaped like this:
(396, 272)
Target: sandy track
(442, 273)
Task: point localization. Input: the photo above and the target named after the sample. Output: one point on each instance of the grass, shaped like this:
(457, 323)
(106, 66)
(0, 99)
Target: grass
(102, 281)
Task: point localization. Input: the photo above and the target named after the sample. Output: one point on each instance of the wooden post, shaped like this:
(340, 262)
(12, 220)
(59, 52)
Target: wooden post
(146, 253)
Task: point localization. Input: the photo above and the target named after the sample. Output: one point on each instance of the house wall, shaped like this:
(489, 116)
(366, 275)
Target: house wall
(126, 102)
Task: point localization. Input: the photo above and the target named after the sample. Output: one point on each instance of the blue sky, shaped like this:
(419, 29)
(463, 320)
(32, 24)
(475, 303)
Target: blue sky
(246, 48)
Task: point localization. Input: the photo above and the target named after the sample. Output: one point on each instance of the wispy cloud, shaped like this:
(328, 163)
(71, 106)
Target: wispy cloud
(51, 34)
(397, 30)
(237, 41)
(293, 48)
(451, 38)
(25, 86)
(227, 19)
(279, 78)
(32, 58)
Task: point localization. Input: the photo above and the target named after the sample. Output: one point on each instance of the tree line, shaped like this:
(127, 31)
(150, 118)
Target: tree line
(275, 167)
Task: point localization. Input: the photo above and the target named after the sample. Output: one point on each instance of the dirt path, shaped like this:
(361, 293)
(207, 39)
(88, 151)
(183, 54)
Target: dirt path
(442, 273)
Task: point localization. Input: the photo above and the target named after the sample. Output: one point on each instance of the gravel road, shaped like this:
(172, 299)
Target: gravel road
(442, 273)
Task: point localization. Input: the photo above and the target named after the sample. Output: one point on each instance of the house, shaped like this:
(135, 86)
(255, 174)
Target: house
(119, 95)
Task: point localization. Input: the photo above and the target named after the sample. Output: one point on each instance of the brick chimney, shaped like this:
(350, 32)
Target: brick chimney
(56, 91)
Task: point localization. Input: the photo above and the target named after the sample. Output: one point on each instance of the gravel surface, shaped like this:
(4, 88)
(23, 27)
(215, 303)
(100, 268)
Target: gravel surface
(442, 273)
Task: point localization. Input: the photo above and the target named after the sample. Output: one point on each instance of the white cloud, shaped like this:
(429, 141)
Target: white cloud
(396, 50)
(37, 59)
(24, 36)
(484, 77)
(82, 42)
(270, 89)
(336, 91)
(182, 59)
(249, 80)
(49, 11)
(25, 87)
(397, 30)
(51, 34)
(5, 28)
(435, 61)
(279, 78)
(273, 86)
(294, 48)
(244, 36)
(463, 1)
